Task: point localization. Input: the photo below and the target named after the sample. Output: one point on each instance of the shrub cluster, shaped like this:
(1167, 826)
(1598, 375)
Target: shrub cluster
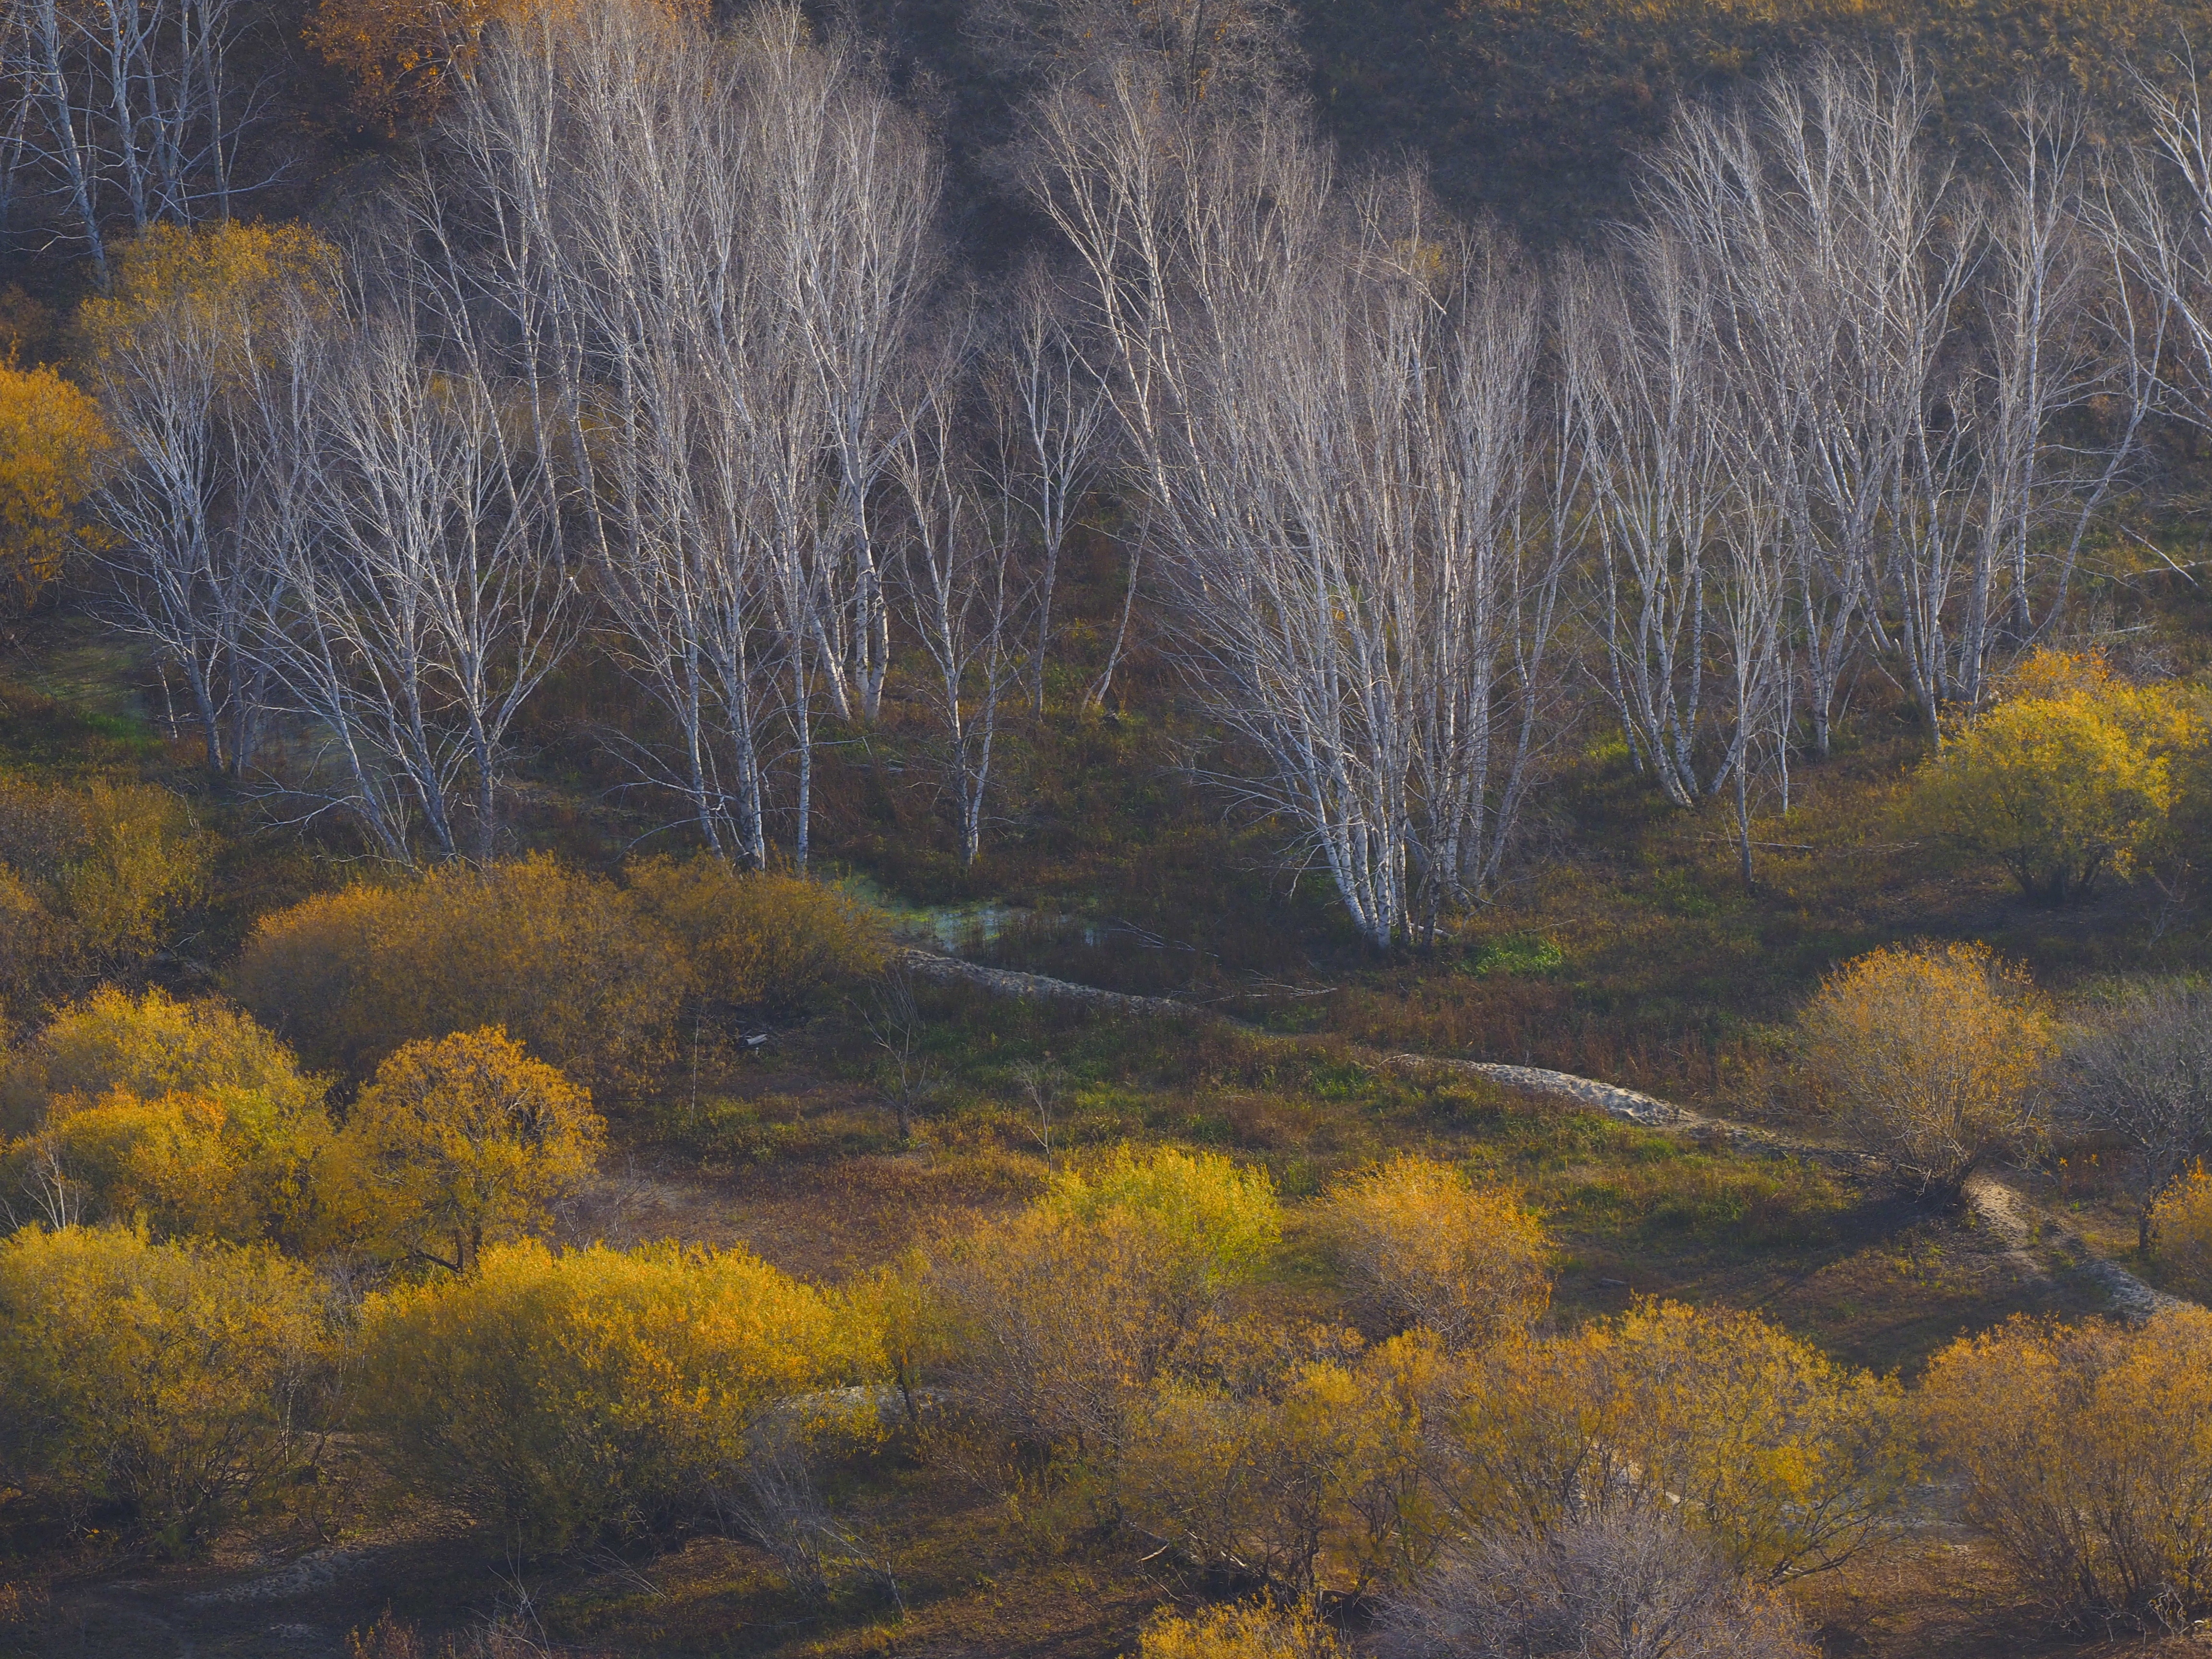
(591, 975)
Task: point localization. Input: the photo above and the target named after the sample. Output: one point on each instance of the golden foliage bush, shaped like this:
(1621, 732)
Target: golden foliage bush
(1310, 1477)
(2086, 1452)
(182, 1166)
(2181, 1225)
(164, 1380)
(759, 939)
(1419, 1245)
(465, 1141)
(92, 881)
(218, 295)
(1931, 1058)
(184, 1117)
(53, 448)
(152, 1045)
(597, 1393)
(1059, 1318)
(1781, 1460)
(563, 960)
(2070, 776)
(1247, 1630)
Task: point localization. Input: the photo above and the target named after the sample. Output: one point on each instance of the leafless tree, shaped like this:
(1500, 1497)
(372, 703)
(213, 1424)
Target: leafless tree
(960, 580)
(1622, 1585)
(1328, 398)
(1048, 440)
(2142, 1074)
(179, 561)
(1643, 377)
(137, 111)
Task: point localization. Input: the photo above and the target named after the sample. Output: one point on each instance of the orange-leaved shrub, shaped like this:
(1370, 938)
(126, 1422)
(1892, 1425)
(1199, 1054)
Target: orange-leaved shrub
(164, 1382)
(562, 959)
(1419, 1244)
(151, 1045)
(1244, 1630)
(593, 977)
(1931, 1058)
(2071, 775)
(1062, 1316)
(595, 1394)
(2086, 1453)
(465, 1141)
(94, 881)
(1782, 1461)
(2181, 1228)
(185, 1117)
(758, 938)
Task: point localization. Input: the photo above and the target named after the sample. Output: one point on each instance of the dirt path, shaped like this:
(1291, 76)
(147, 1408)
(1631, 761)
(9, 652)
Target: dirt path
(2019, 1225)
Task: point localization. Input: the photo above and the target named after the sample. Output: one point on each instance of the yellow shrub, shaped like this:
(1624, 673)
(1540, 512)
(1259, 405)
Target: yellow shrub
(162, 1378)
(149, 1045)
(182, 1166)
(95, 879)
(2088, 1455)
(1307, 1479)
(53, 448)
(464, 1141)
(1420, 1246)
(1058, 1320)
(1782, 1459)
(2181, 1225)
(759, 939)
(595, 1393)
(563, 960)
(1250, 1629)
(1932, 1057)
(1213, 1221)
(2070, 776)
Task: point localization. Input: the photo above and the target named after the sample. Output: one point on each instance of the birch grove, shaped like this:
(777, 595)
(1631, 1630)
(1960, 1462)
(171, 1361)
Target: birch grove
(653, 349)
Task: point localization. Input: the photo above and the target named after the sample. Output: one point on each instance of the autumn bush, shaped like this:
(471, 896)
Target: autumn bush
(163, 1383)
(1419, 1244)
(1781, 1460)
(2138, 1072)
(758, 938)
(1930, 1058)
(184, 1117)
(150, 1045)
(94, 880)
(2068, 776)
(1624, 1584)
(565, 961)
(53, 448)
(596, 1394)
(1290, 1458)
(1060, 1317)
(2181, 1227)
(462, 1142)
(2087, 1455)
(1245, 1629)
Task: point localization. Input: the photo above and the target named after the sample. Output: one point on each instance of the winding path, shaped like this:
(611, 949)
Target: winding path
(2008, 1216)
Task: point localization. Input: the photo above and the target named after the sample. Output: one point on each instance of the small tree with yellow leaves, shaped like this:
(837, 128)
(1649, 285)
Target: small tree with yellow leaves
(2087, 1454)
(600, 1392)
(54, 447)
(1419, 1245)
(1931, 1059)
(2181, 1225)
(1784, 1462)
(167, 1379)
(1246, 1629)
(467, 1141)
(2070, 776)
